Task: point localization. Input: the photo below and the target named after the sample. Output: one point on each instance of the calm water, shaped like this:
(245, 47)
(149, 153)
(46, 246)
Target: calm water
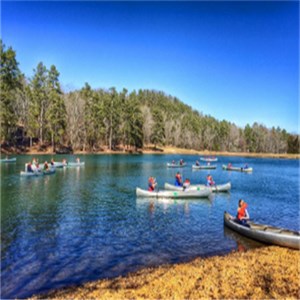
(82, 224)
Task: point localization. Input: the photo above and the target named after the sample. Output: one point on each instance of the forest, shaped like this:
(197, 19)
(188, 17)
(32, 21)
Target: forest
(36, 111)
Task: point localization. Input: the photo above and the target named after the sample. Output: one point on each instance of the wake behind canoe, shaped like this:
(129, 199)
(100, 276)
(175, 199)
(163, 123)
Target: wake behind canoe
(265, 233)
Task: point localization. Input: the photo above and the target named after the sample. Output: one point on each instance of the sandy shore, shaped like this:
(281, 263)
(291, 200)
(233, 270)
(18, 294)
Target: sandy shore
(262, 273)
(161, 150)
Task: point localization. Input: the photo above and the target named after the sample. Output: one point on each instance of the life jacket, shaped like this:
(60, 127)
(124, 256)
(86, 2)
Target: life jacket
(242, 211)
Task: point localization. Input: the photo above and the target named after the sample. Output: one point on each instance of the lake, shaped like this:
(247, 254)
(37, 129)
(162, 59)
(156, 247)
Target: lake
(86, 223)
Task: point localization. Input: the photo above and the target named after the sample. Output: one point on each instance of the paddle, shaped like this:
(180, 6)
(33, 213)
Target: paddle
(216, 188)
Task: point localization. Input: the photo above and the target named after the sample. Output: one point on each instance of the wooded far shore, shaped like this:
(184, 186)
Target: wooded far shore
(151, 150)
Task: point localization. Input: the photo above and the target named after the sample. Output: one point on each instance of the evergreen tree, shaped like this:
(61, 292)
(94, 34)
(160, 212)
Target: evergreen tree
(158, 130)
(56, 112)
(39, 102)
(10, 84)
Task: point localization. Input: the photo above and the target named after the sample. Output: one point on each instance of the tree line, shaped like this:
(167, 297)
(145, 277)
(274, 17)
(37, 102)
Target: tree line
(95, 119)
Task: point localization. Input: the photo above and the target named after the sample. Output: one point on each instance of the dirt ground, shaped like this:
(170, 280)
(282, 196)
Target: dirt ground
(263, 273)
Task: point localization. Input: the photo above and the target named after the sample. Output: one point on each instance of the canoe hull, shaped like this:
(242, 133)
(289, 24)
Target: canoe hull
(176, 165)
(194, 167)
(248, 170)
(75, 164)
(264, 233)
(219, 188)
(208, 159)
(8, 160)
(174, 194)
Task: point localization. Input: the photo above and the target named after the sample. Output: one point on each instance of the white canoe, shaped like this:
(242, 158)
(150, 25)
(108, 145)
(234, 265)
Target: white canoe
(173, 194)
(203, 167)
(208, 159)
(197, 187)
(8, 160)
(59, 164)
(75, 164)
(265, 233)
(38, 173)
(170, 165)
(247, 170)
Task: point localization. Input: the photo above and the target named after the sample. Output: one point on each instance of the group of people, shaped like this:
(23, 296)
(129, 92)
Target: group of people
(34, 166)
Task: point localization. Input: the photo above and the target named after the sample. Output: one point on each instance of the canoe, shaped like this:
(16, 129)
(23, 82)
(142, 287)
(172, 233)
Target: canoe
(38, 173)
(237, 169)
(173, 194)
(31, 174)
(8, 160)
(170, 165)
(209, 167)
(49, 172)
(265, 233)
(197, 187)
(208, 159)
(75, 164)
(59, 165)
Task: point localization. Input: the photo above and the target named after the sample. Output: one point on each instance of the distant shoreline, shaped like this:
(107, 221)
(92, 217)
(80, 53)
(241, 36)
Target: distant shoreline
(151, 150)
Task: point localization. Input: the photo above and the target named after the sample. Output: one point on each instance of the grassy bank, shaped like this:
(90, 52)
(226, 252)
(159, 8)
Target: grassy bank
(263, 273)
(152, 150)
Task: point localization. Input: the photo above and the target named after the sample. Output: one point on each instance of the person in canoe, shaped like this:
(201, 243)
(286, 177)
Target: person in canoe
(46, 166)
(186, 184)
(181, 162)
(242, 213)
(229, 165)
(209, 180)
(178, 179)
(151, 184)
(52, 162)
(246, 167)
(29, 168)
(78, 160)
(197, 163)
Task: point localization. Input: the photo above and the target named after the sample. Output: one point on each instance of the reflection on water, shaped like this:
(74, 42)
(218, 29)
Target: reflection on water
(242, 243)
(85, 223)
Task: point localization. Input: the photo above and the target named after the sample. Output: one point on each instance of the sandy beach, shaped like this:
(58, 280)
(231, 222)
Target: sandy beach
(263, 273)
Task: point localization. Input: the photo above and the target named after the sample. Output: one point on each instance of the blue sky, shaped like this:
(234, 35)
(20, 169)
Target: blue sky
(233, 60)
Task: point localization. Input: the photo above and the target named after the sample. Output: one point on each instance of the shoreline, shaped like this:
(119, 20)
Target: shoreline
(261, 273)
(159, 151)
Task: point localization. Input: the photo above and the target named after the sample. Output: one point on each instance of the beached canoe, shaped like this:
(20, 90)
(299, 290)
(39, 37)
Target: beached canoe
(75, 164)
(247, 170)
(265, 233)
(198, 187)
(170, 165)
(204, 167)
(209, 159)
(174, 194)
(8, 160)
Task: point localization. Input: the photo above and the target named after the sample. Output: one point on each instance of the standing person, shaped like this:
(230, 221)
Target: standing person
(178, 179)
(242, 213)
(151, 184)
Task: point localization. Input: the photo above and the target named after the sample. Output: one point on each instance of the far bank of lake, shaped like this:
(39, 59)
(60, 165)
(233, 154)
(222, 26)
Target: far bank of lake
(152, 150)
